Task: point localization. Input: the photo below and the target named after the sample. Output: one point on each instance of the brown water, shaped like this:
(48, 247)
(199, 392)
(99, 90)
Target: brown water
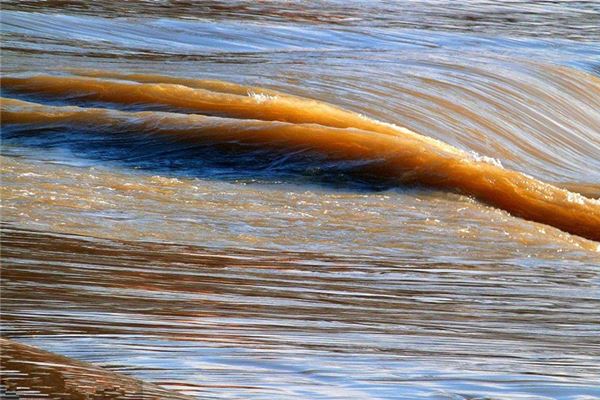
(281, 200)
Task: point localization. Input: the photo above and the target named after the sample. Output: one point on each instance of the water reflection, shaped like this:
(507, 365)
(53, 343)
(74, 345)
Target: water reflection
(521, 17)
(190, 318)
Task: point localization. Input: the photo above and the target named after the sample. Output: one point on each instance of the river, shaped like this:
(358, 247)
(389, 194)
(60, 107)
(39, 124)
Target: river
(316, 200)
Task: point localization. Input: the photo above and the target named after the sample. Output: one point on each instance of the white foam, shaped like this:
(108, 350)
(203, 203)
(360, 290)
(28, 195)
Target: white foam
(260, 97)
(575, 198)
(486, 159)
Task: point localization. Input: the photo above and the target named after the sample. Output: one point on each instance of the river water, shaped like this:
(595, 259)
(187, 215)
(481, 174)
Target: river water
(320, 200)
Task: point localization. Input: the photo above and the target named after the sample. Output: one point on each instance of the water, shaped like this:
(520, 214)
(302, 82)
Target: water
(240, 257)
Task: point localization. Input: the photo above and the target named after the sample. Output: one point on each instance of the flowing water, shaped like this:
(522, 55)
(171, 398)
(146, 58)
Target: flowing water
(320, 200)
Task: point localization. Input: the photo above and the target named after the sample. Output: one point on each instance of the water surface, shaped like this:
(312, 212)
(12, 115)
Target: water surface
(288, 268)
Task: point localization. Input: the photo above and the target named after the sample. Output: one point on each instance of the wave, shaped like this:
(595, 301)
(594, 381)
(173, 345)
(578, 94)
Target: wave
(247, 119)
(222, 99)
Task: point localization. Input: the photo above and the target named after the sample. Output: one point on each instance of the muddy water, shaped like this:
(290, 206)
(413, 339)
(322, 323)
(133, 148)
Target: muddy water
(280, 200)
